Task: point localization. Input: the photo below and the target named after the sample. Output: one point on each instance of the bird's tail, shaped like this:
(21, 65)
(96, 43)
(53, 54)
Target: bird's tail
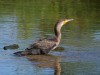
(30, 52)
(21, 53)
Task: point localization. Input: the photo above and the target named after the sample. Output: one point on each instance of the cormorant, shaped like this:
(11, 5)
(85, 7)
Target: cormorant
(43, 46)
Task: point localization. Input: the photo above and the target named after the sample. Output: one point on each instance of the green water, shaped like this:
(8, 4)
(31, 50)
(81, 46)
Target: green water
(24, 21)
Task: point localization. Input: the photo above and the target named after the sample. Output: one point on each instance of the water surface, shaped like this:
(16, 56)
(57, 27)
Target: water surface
(23, 22)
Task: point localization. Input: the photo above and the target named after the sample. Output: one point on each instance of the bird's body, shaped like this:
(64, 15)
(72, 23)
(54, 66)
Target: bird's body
(44, 45)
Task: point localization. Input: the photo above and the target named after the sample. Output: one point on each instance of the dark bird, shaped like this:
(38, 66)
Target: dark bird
(44, 45)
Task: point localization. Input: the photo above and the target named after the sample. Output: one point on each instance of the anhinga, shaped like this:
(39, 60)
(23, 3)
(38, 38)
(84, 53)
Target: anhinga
(43, 46)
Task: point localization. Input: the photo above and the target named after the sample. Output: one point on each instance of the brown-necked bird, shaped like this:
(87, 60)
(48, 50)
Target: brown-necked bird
(43, 46)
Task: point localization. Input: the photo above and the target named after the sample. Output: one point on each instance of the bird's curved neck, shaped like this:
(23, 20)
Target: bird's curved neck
(57, 30)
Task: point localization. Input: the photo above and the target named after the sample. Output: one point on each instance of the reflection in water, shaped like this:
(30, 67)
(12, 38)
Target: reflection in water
(46, 61)
(23, 21)
(57, 67)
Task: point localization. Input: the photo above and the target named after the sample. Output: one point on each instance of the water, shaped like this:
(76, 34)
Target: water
(23, 22)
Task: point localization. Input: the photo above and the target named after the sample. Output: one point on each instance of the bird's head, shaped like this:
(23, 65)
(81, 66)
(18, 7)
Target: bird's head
(58, 26)
(62, 22)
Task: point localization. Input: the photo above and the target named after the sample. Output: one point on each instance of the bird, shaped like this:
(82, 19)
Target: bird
(45, 45)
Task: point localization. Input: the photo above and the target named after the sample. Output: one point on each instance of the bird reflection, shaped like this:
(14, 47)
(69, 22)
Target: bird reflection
(46, 61)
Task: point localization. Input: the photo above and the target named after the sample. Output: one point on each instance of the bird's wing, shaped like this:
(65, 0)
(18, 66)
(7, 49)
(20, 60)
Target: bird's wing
(44, 44)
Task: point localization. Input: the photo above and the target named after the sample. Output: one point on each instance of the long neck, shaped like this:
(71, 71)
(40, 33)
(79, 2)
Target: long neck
(57, 31)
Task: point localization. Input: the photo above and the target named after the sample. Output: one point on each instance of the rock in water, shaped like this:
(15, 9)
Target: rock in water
(13, 46)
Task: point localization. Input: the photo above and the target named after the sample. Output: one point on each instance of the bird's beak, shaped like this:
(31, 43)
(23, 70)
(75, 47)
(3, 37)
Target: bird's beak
(68, 20)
